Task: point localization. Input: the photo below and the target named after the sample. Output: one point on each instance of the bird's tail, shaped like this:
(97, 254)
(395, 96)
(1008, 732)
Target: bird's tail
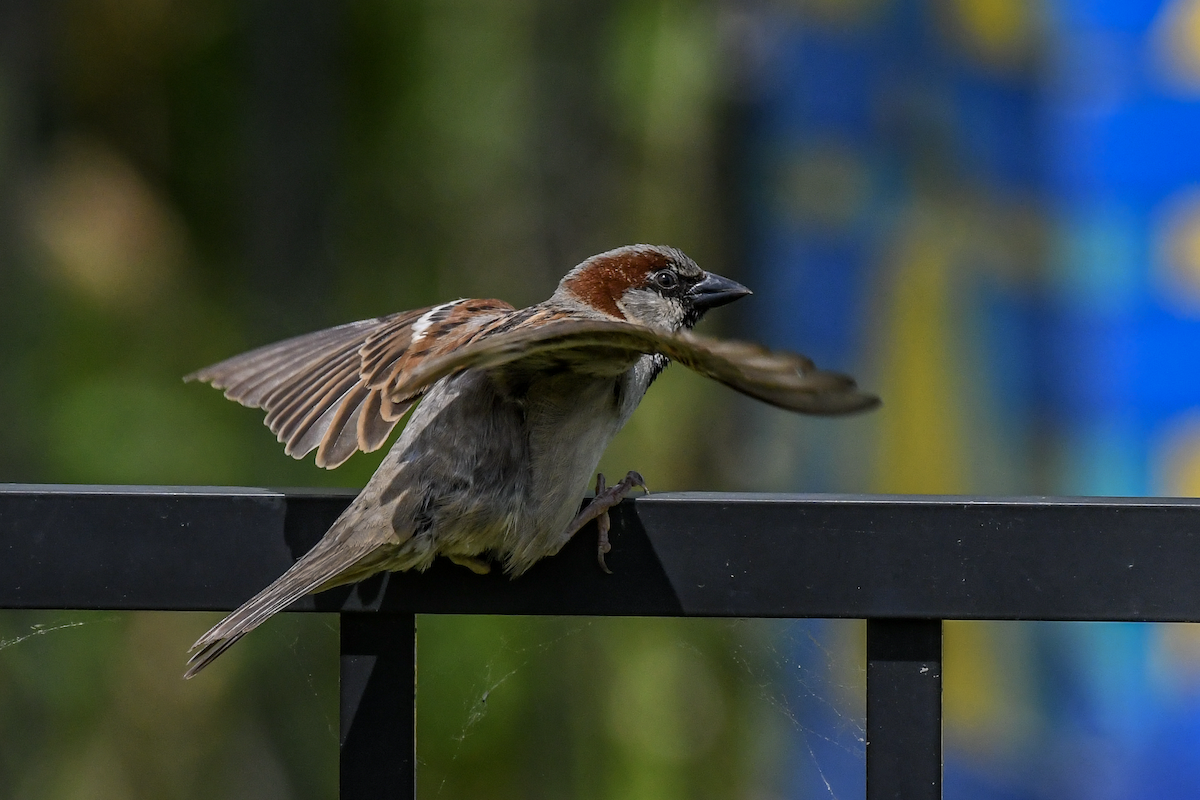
(332, 561)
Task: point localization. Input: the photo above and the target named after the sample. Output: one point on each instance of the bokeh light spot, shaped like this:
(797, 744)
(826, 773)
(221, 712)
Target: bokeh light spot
(997, 33)
(1176, 460)
(105, 230)
(1176, 244)
(1175, 45)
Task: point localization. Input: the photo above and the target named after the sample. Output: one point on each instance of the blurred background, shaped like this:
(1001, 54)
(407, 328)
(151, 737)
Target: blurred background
(988, 210)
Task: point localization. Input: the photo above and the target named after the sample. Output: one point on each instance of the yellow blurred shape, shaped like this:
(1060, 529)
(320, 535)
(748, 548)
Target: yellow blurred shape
(1176, 244)
(106, 231)
(1175, 44)
(996, 32)
(1175, 657)
(920, 441)
(986, 702)
(1176, 458)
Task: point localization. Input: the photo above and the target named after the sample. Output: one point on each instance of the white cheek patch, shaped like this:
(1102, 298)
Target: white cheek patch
(648, 307)
(426, 320)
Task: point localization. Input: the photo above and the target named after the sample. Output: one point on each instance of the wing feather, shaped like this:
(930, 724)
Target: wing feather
(783, 379)
(344, 389)
(322, 391)
(250, 377)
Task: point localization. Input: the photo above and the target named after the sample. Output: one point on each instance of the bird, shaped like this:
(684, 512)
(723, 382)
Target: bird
(513, 410)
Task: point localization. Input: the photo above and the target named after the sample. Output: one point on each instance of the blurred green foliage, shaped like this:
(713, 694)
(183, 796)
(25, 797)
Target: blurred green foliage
(454, 149)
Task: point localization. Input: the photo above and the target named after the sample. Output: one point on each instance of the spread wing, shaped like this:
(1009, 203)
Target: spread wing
(783, 379)
(327, 391)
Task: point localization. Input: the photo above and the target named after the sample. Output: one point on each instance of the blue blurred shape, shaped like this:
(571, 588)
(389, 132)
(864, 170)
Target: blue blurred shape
(895, 148)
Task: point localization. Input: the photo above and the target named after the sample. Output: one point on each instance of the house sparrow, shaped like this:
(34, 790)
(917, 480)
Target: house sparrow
(517, 406)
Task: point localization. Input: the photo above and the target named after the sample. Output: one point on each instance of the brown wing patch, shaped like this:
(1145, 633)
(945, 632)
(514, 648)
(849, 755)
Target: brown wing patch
(439, 330)
(326, 391)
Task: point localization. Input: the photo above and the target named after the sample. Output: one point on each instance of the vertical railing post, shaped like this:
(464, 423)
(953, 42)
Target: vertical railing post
(904, 709)
(378, 697)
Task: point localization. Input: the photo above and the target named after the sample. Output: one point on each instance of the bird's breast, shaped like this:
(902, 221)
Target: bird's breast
(481, 468)
(570, 421)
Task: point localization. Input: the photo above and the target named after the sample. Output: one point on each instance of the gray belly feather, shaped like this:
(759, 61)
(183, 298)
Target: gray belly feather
(508, 478)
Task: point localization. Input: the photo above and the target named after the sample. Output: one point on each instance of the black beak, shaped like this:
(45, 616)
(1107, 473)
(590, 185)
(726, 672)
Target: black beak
(716, 291)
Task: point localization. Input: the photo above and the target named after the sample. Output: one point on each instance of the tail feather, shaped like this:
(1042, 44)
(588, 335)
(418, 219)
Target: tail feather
(327, 565)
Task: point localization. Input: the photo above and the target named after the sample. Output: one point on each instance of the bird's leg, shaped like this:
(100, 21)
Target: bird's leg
(606, 498)
(603, 523)
(476, 565)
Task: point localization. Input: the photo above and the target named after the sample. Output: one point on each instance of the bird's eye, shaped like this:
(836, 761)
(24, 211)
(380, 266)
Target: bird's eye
(666, 279)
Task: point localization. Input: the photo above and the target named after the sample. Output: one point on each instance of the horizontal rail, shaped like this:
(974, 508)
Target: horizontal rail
(737, 555)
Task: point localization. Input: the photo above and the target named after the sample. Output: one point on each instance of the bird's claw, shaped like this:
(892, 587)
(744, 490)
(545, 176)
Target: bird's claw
(606, 497)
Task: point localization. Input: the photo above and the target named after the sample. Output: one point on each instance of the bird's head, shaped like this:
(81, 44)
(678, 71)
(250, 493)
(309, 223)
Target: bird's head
(650, 285)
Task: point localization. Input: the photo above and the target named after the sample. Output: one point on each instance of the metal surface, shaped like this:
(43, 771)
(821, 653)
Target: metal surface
(929, 557)
(169, 548)
(673, 555)
(904, 709)
(902, 563)
(378, 717)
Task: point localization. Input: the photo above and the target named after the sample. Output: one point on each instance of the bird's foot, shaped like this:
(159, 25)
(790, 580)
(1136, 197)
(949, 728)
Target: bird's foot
(606, 497)
(476, 565)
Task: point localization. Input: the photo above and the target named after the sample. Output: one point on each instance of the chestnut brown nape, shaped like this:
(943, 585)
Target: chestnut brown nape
(603, 279)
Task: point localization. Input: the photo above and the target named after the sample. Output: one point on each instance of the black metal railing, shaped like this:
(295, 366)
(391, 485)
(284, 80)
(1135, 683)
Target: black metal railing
(902, 563)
